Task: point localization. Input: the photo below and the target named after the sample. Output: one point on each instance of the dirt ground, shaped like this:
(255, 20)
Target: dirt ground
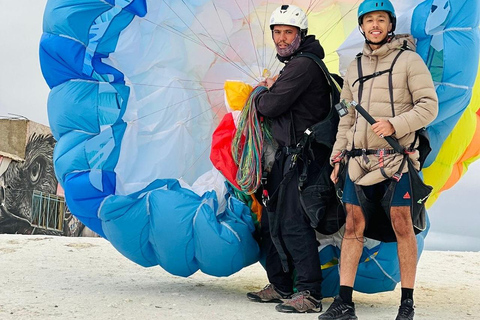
(86, 278)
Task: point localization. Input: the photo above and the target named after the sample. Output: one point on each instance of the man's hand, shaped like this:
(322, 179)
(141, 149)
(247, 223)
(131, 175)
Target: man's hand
(334, 175)
(383, 128)
(268, 82)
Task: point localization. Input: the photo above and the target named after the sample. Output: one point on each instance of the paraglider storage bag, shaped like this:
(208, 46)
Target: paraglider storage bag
(319, 203)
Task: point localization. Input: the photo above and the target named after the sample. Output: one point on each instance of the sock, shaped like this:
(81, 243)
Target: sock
(346, 294)
(407, 293)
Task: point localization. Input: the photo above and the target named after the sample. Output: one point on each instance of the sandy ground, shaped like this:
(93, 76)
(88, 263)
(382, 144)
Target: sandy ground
(86, 278)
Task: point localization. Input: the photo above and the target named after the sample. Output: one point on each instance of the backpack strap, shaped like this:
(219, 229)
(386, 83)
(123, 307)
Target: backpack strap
(335, 88)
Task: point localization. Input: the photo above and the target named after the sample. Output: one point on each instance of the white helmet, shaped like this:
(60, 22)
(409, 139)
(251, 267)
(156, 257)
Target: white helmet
(289, 15)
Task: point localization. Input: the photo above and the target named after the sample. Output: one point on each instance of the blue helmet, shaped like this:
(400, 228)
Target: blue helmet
(377, 5)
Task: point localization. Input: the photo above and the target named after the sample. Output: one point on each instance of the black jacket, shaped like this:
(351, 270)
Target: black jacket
(301, 93)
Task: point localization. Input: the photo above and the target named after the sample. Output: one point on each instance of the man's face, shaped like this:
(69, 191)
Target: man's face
(283, 36)
(376, 26)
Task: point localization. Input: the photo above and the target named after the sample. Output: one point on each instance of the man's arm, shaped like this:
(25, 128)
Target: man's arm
(424, 97)
(285, 91)
(346, 122)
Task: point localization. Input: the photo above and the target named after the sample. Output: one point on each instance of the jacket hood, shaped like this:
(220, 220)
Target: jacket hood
(396, 42)
(310, 44)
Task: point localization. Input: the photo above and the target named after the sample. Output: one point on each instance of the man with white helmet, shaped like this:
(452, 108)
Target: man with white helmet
(299, 98)
(394, 85)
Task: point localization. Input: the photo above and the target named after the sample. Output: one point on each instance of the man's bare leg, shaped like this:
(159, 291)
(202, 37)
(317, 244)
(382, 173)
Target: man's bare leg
(407, 244)
(352, 245)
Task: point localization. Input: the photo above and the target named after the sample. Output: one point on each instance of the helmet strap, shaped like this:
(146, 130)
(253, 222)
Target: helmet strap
(303, 33)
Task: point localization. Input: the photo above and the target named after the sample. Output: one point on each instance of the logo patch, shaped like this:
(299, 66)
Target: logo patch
(406, 195)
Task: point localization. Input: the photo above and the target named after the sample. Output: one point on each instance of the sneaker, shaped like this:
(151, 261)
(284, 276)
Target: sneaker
(300, 302)
(406, 312)
(339, 310)
(268, 294)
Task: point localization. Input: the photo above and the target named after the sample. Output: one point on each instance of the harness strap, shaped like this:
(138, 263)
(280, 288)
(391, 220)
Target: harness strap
(361, 152)
(360, 75)
(370, 76)
(390, 76)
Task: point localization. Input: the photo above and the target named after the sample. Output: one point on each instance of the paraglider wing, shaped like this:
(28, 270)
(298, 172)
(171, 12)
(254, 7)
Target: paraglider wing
(134, 130)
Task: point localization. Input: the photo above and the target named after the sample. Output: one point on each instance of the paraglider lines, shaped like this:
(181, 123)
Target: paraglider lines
(212, 38)
(202, 43)
(198, 42)
(251, 32)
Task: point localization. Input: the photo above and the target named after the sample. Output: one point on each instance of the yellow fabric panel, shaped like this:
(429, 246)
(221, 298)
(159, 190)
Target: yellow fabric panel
(332, 25)
(471, 154)
(236, 94)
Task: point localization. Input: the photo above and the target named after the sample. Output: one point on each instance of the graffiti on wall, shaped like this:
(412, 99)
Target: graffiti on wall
(29, 193)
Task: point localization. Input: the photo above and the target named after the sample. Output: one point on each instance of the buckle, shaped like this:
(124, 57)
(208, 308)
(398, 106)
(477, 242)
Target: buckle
(364, 155)
(265, 197)
(397, 176)
(383, 152)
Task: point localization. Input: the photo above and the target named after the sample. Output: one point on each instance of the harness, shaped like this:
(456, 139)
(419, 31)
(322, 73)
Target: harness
(322, 133)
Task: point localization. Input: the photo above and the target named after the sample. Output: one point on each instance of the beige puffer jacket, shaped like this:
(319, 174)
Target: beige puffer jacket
(415, 104)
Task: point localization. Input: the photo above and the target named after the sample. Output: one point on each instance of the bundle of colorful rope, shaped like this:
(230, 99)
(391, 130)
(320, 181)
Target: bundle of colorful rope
(247, 146)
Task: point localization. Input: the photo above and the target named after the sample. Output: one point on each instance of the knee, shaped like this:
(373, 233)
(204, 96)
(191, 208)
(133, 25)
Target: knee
(402, 221)
(355, 222)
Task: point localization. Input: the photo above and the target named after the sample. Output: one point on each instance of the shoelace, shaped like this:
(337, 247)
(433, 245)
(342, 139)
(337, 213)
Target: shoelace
(301, 296)
(298, 296)
(336, 308)
(266, 287)
(405, 311)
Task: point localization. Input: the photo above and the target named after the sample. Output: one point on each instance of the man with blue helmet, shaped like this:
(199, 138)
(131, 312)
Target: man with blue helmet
(393, 84)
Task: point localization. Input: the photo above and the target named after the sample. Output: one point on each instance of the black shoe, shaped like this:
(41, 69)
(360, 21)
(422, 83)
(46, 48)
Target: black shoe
(406, 312)
(339, 310)
(268, 294)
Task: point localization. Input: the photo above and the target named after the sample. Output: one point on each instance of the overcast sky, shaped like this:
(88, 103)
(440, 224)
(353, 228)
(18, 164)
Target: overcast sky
(455, 217)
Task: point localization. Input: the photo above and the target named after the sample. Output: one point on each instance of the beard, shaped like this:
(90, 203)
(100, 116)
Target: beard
(290, 49)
